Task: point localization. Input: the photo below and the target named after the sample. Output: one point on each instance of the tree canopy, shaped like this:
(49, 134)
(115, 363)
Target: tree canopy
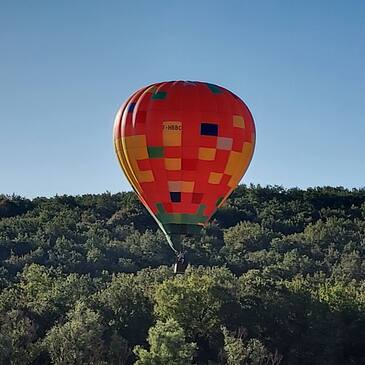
(277, 277)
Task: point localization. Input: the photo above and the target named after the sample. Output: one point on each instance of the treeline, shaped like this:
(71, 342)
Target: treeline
(278, 277)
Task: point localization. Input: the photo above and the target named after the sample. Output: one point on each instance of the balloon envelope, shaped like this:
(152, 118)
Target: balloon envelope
(184, 146)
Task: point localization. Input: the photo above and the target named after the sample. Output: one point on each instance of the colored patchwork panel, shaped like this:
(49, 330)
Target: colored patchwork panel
(220, 161)
(197, 198)
(189, 175)
(155, 152)
(214, 88)
(144, 165)
(253, 139)
(187, 186)
(234, 163)
(175, 197)
(131, 107)
(151, 89)
(234, 180)
(189, 164)
(225, 179)
(237, 144)
(138, 153)
(207, 154)
(144, 176)
(238, 163)
(247, 150)
(185, 218)
(182, 186)
(173, 163)
(209, 129)
(171, 133)
(215, 178)
(219, 201)
(186, 228)
(173, 152)
(141, 117)
(224, 143)
(207, 141)
(168, 207)
(201, 210)
(159, 95)
(238, 121)
(190, 152)
(173, 175)
(174, 185)
(135, 141)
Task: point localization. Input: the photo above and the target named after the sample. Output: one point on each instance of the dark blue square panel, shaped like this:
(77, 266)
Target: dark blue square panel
(131, 107)
(209, 129)
(175, 197)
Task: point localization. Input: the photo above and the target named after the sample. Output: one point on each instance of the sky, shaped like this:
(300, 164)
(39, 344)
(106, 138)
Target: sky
(66, 66)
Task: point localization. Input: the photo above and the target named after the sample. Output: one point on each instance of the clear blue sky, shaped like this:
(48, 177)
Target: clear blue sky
(66, 66)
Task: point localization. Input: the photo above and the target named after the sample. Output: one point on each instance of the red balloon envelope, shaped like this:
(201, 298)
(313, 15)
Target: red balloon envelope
(184, 146)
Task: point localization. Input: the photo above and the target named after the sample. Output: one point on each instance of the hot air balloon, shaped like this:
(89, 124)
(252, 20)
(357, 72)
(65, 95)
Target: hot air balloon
(184, 146)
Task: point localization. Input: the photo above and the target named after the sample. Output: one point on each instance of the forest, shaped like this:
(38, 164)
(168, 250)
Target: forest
(277, 277)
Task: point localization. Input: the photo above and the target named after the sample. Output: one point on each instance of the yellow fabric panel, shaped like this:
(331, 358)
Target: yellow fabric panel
(172, 139)
(135, 142)
(234, 162)
(247, 151)
(238, 121)
(173, 163)
(171, 133)
(238, 163)
(118, 150)
(207, 154)
(234, 180)
(151, 89)
(134, 166)
(215, 178)
(136, 149)
(126, 166)
(253, 139)
(187, 186)
(142, 176)
(145, 176)
(140, 153)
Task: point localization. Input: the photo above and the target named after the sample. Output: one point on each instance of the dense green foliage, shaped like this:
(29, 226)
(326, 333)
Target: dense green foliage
(278, 277)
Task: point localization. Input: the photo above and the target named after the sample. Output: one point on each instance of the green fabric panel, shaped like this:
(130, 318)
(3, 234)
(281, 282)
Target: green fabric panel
(219, 200)
(176, 226)
(180, 218)
(159, 95)
(160, 208)
(214, 89)
(155, 152)
(183, 228)
(200, 210)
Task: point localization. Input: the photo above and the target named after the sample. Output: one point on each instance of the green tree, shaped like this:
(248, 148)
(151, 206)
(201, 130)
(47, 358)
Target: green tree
(18, 345)
(241, 239)
(200, 301)
(238, 350)
(168, 346)
(125, 308)
(79, 340)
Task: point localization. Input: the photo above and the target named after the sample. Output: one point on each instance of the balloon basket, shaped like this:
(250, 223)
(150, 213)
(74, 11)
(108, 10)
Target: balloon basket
(180, 265)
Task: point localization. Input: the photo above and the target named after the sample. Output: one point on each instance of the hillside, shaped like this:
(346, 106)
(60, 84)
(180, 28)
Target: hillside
(278, 277)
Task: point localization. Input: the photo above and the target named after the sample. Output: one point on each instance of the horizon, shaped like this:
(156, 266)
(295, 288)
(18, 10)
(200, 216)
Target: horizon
(248, 186)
